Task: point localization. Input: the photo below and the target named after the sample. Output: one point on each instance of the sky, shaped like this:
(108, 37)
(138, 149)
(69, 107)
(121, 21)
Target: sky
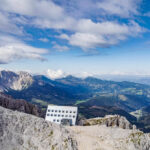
(84, 38)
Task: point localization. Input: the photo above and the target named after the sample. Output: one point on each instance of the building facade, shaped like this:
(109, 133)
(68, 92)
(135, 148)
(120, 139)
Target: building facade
(62, 114)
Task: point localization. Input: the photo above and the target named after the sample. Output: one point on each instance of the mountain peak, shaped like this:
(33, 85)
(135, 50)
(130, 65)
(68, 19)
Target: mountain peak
(15, 81)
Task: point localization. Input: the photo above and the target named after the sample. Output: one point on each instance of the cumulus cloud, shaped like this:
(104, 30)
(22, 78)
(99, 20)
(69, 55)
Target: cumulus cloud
(86, 8)
(60, 48)
(44, 14)
(88, 34)
(44, 39)
(9, 53)
(55, 74)
(7, 25)
(44, 8)
(122, 8)
(104, 34)
(63, 36)
(86, 40)
(84, 33)
(12, 49)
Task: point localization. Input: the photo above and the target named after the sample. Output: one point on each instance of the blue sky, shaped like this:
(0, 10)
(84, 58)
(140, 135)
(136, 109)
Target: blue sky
(88, 37)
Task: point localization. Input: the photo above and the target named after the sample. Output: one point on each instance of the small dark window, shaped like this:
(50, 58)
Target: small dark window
(57, 120)
(69, 115)
(70, 111)
(54, 120)
(66, 111)
(74, 112)
(55, 115)
(59, 110)
(63, 111)
(48, 110)
(66, 116)
(47, 114)
(55, 110)
(51, 114)
(73, 116)
(62, 115)
(58, 115)
(52, 110)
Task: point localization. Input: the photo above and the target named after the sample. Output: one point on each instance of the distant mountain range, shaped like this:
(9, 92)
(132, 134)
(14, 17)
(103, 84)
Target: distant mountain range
(71, 90)
(142, 79)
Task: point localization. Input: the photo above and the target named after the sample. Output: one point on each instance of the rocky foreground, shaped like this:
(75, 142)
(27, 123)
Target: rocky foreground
(111, 132)
(107, 138)
(19, 131)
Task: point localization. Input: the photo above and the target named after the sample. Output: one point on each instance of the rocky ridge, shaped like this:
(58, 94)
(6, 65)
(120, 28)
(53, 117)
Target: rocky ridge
(100, 137)
(19, 131)
(109, 121)
(15, 81)
(7, 101)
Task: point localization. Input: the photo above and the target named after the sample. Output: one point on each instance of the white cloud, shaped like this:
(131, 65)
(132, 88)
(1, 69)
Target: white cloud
(86, 40)
(32, 8)
(104, 34)
(55, 74)
(84, 75)
(7, 26)
(122, 8)
(63, 36)
(44, 39)
(86, 8)
(12, 49)
(83, 33)
(60, 48)
(43, 13)
(106, 27)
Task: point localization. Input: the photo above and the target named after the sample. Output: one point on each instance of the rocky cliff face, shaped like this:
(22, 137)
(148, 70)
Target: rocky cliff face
(15, 81)
(23, 81)
(19, 131)
(109, 121)
(20, 105)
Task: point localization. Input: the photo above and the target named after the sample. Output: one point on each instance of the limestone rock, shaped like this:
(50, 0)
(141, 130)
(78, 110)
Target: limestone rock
(20, 105)
(19, 131)
(15, 81)
(109, 121)
(100, 137)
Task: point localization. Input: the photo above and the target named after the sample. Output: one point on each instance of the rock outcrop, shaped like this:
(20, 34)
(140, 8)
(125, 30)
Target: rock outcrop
(100, 137)
(19, 131)
(109, 121)
(15, 81)
(20, 105)
(23, 81)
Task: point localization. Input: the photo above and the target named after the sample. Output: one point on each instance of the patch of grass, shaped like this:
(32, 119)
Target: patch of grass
(81, 101)
(136, 137)
(40, 102)
(51, 133)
